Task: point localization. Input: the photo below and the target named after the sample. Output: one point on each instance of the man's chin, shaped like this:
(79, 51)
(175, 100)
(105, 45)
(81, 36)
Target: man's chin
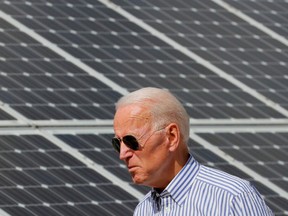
(137, 179)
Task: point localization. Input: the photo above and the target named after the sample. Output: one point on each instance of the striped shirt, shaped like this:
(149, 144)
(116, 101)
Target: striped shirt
(199, 190)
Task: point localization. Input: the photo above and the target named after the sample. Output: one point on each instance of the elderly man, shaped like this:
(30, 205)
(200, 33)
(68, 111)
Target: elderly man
(151, 135)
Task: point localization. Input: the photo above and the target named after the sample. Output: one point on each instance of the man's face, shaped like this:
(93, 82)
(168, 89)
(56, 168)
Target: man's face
(146, 165)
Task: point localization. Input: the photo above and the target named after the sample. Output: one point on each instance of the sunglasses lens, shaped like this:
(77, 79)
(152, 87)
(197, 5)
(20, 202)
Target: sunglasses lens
(116, 144)
(131, 142)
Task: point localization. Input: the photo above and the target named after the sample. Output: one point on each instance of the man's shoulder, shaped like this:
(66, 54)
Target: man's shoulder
(144, 201)
(220, 180)
(145, 198)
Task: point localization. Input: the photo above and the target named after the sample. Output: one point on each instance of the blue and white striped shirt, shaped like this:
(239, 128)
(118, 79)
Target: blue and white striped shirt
(199, 190)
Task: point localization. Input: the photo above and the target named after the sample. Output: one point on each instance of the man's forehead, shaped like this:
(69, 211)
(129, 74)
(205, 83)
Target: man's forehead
(137, 112)
(133, 115)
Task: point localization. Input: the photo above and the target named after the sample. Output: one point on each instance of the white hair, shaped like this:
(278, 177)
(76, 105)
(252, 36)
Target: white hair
(164, 106)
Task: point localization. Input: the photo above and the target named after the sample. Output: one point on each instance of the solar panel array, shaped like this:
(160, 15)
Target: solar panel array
(64, 63)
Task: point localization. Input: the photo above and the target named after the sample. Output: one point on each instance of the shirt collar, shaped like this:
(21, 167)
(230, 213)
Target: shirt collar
(181, 183)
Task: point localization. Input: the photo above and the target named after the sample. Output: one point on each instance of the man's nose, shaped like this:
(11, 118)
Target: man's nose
(125, 152)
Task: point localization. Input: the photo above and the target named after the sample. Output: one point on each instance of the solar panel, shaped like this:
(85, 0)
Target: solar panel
(119, 52)
(263, 152)
(36, 173)
(253, 57)
(63, 65)
(47, 177)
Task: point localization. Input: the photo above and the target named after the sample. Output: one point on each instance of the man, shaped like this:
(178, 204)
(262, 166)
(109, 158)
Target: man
(151, 135)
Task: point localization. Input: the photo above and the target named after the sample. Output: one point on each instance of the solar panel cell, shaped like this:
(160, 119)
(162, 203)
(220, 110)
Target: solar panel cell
(39, 112)
(47, 196)
(91, 176)
(38, 210)
(120, 172)
(68, 210)
(100, 157)
(44, 176)
(5, 116)
(21, 196)
(90, 209)
(117, 208)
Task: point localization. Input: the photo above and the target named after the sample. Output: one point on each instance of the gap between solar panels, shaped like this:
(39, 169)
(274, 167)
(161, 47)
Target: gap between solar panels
(99, 126)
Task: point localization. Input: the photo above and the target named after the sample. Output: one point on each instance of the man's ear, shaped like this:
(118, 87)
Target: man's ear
(173, 134)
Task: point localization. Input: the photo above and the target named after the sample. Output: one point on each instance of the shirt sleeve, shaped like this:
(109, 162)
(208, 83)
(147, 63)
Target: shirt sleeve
(249, 203)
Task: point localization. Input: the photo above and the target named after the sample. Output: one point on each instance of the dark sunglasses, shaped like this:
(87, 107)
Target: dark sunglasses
(129, 140)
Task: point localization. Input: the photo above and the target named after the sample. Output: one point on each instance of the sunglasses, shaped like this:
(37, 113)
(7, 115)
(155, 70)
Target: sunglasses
(130, 141)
